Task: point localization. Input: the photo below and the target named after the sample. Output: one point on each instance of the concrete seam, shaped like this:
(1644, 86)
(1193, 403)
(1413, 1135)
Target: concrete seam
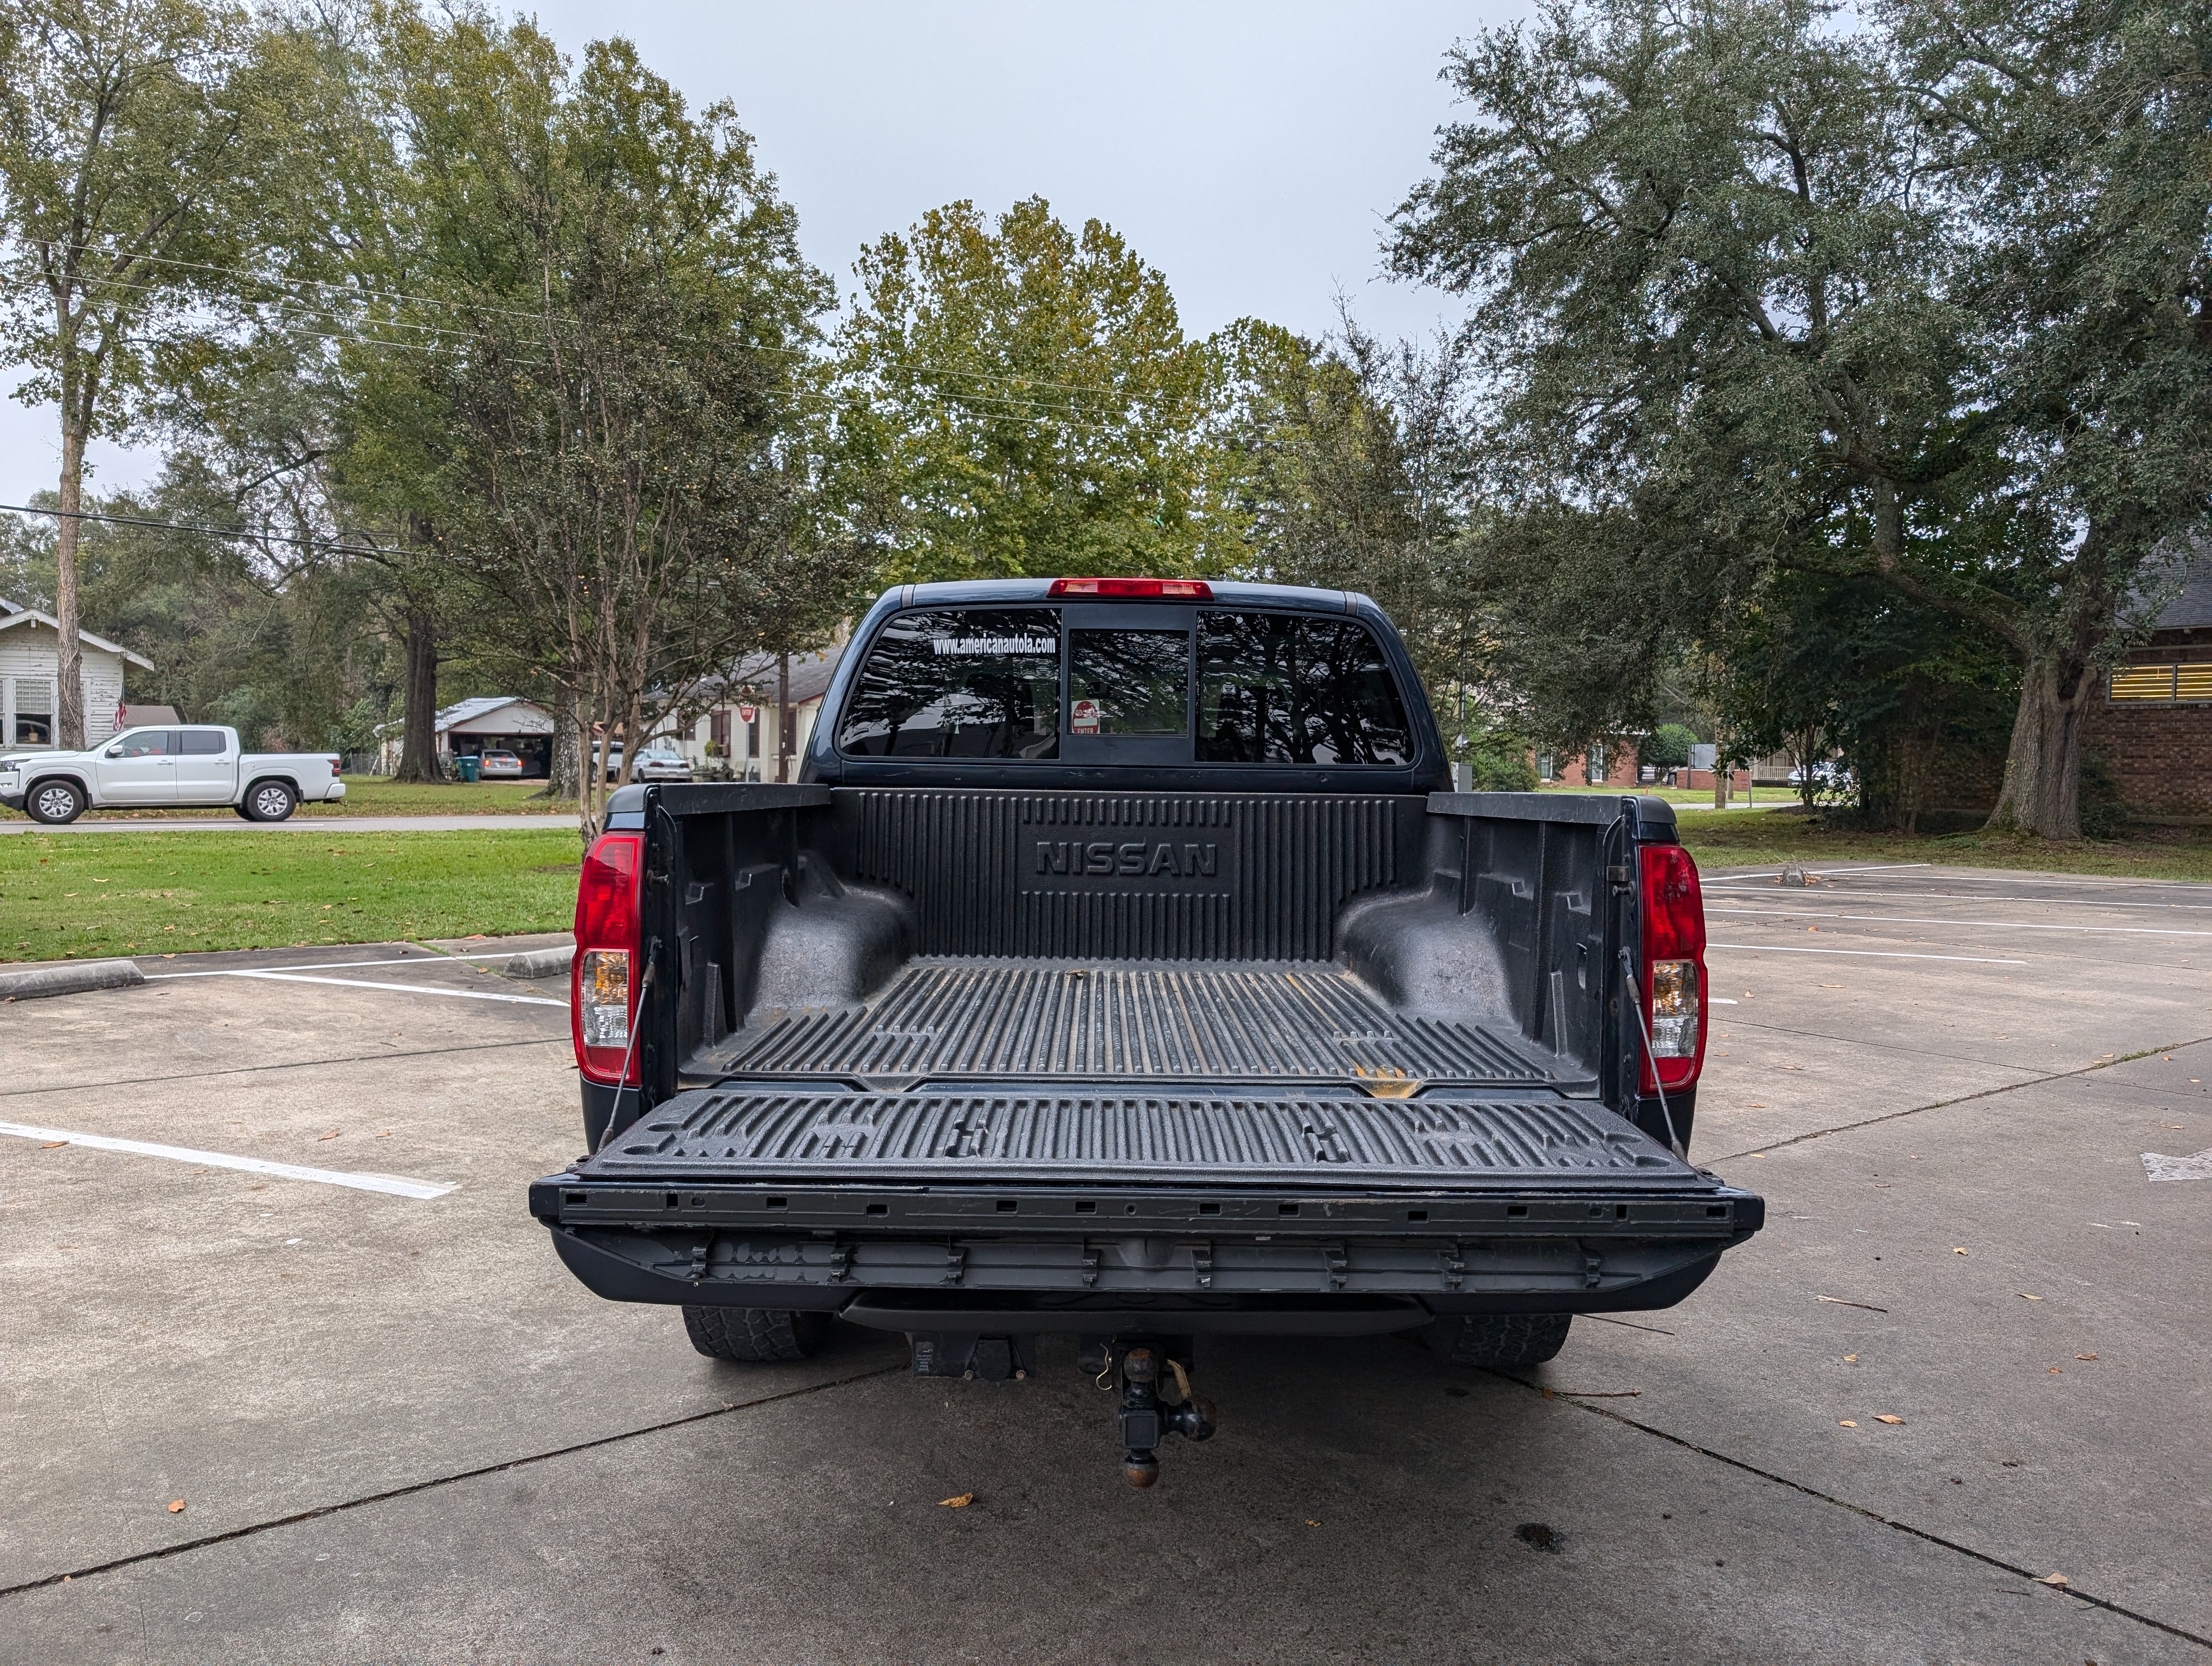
(1937, 1539)
(1963, 1098)
(344, 1504)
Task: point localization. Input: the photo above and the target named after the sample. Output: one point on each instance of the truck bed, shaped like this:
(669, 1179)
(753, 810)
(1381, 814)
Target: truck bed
(950, 1020)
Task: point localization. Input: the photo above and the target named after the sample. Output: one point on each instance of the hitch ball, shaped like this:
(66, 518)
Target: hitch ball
(1145, 1419)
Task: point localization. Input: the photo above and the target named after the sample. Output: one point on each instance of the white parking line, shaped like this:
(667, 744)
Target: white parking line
(1746, 878)
(1987, 925)
(365, 984)
(347, 965)
(1864, 954)
(390, 1184)
(1883, 893)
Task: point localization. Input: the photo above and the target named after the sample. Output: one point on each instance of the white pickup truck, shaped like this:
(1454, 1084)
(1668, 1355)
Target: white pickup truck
(197, 764)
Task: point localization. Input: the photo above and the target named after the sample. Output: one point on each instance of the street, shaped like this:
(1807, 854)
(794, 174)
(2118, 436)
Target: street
(1964, 1357)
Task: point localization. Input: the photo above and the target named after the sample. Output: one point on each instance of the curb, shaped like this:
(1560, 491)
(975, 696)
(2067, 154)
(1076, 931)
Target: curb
(68, 978)
(541, 962)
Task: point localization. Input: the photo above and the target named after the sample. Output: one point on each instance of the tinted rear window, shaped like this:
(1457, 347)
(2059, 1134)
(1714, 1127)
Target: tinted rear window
(1278, 689)
(203, 741)
(970, 683)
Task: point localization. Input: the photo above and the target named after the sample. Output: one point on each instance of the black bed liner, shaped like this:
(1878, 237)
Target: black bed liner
(1292, 1022)
(762, 1133)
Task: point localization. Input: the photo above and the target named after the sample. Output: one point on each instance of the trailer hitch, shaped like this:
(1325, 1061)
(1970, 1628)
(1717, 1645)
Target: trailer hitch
(1146, 1420)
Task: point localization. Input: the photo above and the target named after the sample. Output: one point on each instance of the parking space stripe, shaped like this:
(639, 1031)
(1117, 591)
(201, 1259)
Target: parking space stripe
(365, 983)
(345, 966)
(1984, 925)
(1865, 954)
(391, 1185)
(1746, 878)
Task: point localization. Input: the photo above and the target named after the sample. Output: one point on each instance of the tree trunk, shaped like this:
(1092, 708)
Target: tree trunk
(418, 722)
(562, 779)
(2042, 792)
(783, 717)
(68, 682)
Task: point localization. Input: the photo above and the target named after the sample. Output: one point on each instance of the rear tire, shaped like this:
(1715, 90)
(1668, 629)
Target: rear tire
(755, 1335)
(1503, 1341)
(269, 801)
(56, 803)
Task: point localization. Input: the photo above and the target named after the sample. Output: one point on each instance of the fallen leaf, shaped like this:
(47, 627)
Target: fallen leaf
(387, 1134)
(1845, 1423)
(1548, 1393)
(2054, 1371)
(1850, 1359)
(959, 1503)
(1961, 1252)
(53, 1145)
(1311, 1522)
(2085, 1356)
(2024, 1297)
(175, 1505)
(2054, 1579)
(1886, 1417)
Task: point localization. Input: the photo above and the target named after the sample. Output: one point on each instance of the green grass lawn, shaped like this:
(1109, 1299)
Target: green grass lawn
(380, 795)
(1759, 838)
(76, 895)
(1690, 798)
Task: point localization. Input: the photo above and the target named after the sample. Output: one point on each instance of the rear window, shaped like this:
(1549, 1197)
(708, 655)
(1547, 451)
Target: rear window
(965, 682)
(1278, 689)
(1128, 682)
(203, 742)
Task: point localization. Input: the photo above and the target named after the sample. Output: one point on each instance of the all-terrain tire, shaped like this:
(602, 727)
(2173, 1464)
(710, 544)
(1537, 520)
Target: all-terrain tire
(1504, 1341)
(56, 803)
(755, 1335)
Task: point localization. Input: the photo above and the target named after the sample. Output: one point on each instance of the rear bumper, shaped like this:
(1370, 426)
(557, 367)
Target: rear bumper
(1293, 1261)
(337, 792)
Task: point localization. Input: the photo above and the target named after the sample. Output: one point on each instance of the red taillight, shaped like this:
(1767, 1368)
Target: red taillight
(334, 764)
(1674, 973)
(1190, 590)
(603, 978)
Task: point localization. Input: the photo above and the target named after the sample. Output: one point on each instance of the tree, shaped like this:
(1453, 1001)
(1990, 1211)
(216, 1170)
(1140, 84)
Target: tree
(133, 135)
(624, 315)
(1015, 398)
(1748, 314)
(2072, 135)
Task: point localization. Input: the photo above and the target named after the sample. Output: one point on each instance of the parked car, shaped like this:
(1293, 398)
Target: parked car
(660, 764)
(1097, 977)
(506, 765)
(150, 768)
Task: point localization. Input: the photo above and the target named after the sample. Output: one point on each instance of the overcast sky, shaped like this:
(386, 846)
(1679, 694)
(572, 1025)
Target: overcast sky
(1252, 152)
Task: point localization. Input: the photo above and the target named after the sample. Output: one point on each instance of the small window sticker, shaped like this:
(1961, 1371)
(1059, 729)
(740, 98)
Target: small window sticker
(1082, 717)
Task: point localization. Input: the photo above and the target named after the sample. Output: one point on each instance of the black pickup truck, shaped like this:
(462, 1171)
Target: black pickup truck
(1121, 967)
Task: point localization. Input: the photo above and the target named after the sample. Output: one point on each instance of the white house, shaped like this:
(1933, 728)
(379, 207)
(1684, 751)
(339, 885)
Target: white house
(30, 671)
(486, 723)
(739, 725)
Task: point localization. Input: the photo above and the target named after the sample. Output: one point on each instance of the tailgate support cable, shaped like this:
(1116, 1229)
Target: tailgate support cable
(1636, 1001)
(622, 1081)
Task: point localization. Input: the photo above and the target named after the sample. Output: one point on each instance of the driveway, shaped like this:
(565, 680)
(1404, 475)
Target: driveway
(400, 1431)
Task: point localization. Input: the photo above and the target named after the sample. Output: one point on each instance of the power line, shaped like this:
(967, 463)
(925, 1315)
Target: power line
(355, 293)
(212, 531)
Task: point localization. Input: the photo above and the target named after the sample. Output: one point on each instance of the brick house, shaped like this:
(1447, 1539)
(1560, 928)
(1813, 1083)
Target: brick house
(2152, 721)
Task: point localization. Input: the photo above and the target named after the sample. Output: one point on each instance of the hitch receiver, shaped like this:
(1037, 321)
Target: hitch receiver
(1146, 1420)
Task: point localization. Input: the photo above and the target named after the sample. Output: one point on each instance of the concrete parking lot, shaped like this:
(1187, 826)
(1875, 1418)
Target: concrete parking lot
(400, 1431)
